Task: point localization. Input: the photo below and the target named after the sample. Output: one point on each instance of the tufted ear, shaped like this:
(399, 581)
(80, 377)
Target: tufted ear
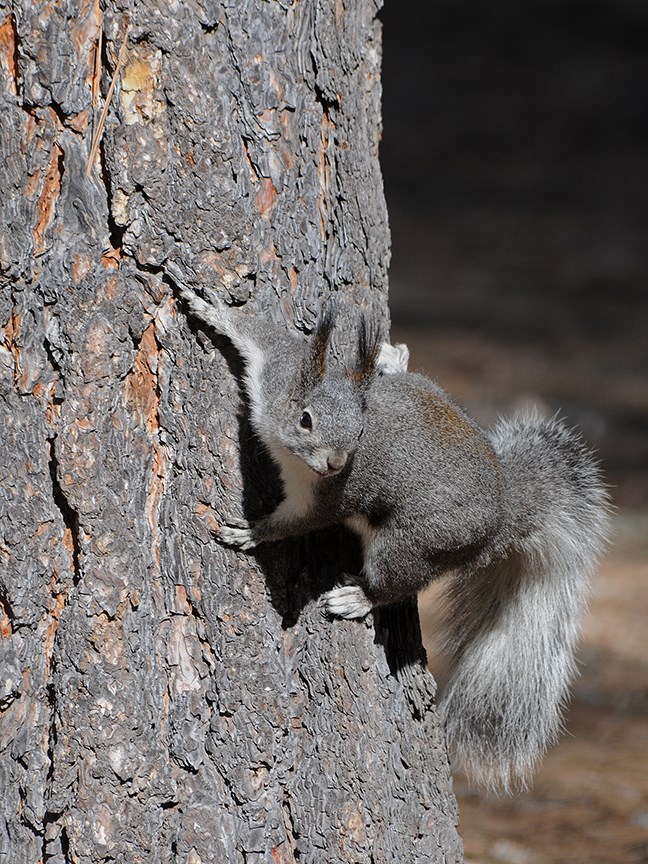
(367, 348)
(315, 365)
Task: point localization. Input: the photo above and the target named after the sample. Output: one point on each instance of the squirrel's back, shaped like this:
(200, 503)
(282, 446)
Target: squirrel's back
(422, 458)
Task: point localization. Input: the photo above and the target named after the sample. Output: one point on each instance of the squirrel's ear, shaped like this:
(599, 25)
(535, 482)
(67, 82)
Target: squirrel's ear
(320, 340)
(368, 345)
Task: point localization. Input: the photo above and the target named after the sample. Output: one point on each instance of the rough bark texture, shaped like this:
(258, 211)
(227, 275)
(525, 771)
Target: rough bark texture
(163, 698)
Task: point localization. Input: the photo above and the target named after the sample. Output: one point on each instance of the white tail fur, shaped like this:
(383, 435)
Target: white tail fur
(514, 623)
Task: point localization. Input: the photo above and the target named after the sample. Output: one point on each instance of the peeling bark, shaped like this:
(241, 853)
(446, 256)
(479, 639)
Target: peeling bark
(163, 698)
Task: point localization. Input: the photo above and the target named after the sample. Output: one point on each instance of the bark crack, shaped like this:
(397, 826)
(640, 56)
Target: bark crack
(292, 834)
(115, 231)
(69, 514)
(51, 837)
(46, 204)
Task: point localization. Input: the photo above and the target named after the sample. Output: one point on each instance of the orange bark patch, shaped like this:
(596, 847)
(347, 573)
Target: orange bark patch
(81, 266)
(339, 14)
(268, 255)
(142, 382)
(293, 276)
(142, 393)
(95, 75)
(84, 28)
(183, 603)
(181, 597)
(212, 521)
(11, 331)
(68, 541)
(48, 198)
(265, 197)
(10, 342)
(111, 259)
(9, 53)
(79, 122)
(56, 607)
(53, 409)
(30, 129)
(112, 287)
(6, 629)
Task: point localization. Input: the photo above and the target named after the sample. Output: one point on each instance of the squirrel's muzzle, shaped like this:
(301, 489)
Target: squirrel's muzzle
(336, 461)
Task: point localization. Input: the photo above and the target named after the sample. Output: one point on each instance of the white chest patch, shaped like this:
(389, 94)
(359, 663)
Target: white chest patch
(298, 485)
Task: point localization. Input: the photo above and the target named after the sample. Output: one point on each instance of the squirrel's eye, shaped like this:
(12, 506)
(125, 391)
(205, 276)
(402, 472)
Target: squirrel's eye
(306, 421)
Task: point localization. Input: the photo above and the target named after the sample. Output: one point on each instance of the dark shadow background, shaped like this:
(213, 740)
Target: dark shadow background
(515, 160)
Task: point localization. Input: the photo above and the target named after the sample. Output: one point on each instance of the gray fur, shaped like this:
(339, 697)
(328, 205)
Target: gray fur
(517, 518)
(515, 621)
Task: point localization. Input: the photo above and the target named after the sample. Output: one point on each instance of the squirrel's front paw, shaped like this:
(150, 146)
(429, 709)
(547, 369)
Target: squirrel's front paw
(241, 538)
(347, 601)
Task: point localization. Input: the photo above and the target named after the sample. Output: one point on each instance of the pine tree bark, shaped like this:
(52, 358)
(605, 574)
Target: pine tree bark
(162, 698)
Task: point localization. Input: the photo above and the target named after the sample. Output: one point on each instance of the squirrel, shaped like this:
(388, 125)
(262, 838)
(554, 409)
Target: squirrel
(516, 517)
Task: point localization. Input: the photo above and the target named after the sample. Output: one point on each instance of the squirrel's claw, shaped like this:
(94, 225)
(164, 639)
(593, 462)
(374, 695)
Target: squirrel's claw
(347, 601)
(240, 538)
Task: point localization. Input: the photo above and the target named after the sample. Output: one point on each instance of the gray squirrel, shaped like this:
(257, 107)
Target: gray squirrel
(517, 517)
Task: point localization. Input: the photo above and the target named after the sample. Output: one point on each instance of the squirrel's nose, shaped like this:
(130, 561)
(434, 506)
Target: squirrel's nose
(336, 461)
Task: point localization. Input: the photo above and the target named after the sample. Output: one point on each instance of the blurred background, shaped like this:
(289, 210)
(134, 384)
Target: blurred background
(515, 158)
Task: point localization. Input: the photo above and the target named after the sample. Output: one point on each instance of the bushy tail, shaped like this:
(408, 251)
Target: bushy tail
(514, 622)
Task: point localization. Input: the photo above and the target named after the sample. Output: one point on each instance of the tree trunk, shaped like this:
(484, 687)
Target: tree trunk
(163, 698)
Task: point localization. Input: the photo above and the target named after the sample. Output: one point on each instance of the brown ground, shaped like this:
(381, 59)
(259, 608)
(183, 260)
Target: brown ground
(589, 802)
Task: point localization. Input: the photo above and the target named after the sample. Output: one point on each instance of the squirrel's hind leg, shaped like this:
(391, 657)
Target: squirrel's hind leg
(392, 571)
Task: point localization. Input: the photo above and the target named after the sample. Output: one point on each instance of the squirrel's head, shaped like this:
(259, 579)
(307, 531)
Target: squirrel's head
(322, 422)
